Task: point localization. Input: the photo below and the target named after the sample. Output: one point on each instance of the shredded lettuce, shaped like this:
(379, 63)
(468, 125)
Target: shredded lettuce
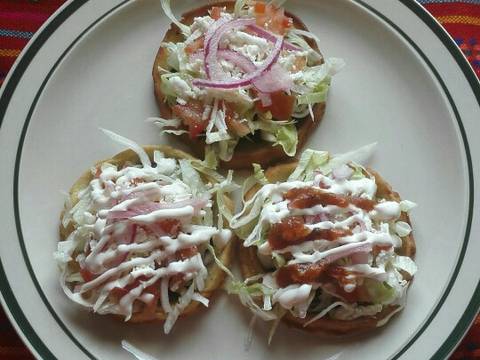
(318, 95)
(226, 149)
(168, 11)
(224, 187)
(142, 155)
(136, 352)
(259, 174)
(402, 228)
(191, 177)
(210, 159)
(407, 205)
(219, 263)
(310, 160)
(406, 264)
(350, 312)
(286, 136)
(359, 156)
(379, 292)
(247, 292)
(239, 4)
(357, 172)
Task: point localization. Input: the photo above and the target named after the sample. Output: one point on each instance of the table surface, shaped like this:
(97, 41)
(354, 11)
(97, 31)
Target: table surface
(19, 19)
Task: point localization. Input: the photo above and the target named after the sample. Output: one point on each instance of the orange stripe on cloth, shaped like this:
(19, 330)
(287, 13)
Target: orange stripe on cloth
(459, 19)
(9, 52)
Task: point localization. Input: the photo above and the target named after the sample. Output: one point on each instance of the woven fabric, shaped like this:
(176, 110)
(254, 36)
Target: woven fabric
(19, 19)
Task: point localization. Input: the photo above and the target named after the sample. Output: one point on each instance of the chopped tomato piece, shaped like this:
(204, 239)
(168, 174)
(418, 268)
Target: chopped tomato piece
(301, 198)
(191, 116)
(292, 231)
(195, 45)
(233, 123)
(186, 253)
(170, 226)
(281, 107)
(215, 13)
(272, 18)
(120, 292)
(87, 275)
(259, 7)
(300, 274)
(289, 231)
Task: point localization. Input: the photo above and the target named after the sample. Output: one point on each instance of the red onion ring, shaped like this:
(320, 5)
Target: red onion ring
(212, 68)
(234, 84)
(208, 37)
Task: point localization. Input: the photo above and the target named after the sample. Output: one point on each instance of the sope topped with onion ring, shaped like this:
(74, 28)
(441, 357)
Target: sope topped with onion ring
(241, 82)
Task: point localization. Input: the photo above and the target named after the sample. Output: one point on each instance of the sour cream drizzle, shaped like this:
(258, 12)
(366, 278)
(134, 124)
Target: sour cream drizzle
(137, 250)
(369, 229)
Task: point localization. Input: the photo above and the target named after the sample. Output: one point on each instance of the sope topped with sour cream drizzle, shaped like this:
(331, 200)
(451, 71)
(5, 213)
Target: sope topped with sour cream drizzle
(333, 239)
(137, 241)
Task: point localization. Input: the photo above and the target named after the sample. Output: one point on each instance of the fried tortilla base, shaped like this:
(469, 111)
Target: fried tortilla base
(250, 264)
(215, 274)
(247, 151)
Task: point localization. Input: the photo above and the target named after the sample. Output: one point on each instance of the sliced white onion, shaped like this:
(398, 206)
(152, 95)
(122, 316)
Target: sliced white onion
(276, 79)
(342, 172)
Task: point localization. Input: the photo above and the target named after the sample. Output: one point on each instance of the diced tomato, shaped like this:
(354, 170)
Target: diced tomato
(287, 22)
(120, 292)
(272, 18)
(300, 274)
(191, 116)
(281, 107)
(233, 123)
(87, 275)
(195, 45)
(259, 7)
(186, 253)
(215, 13)
(170, 226)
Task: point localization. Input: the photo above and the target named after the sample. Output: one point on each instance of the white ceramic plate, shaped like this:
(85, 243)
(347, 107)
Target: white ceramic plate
(406, 86)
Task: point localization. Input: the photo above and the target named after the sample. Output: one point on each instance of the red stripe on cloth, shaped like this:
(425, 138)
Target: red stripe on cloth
(12, 43)
(21, 22)
(39, 6)
(453, 9)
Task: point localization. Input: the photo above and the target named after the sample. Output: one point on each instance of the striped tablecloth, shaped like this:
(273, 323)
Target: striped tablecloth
(19, 19)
